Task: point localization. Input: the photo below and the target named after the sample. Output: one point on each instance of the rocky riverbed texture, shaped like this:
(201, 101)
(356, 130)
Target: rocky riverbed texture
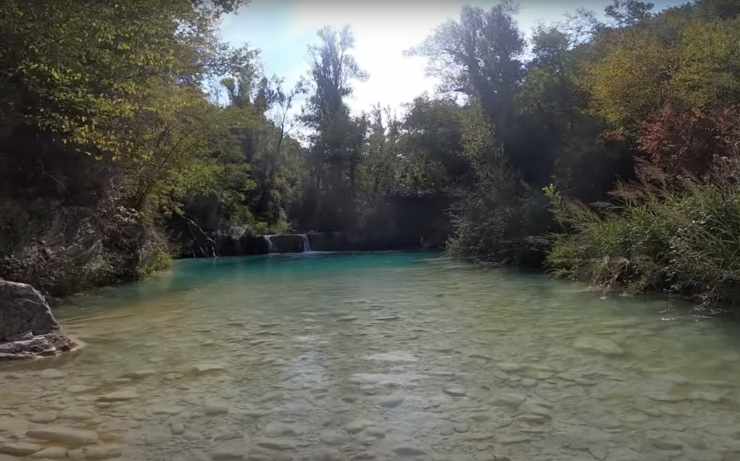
(28, 329)
(361, 359)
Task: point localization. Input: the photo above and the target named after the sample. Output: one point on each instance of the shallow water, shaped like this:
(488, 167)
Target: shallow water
(378, 356)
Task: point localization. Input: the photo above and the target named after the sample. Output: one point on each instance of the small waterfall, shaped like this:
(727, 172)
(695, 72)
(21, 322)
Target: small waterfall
(270, 246)
(306, 243)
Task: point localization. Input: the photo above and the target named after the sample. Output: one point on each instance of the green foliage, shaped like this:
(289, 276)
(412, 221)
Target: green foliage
(683, 243)
(682, 58)
(631, 79)
(84, 71)
(497, 217)
(708, 64)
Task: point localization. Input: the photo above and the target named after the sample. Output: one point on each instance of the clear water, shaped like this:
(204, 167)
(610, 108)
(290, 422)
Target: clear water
(380, 356)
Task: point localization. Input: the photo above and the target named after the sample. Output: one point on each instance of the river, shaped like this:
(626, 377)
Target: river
(374, 357)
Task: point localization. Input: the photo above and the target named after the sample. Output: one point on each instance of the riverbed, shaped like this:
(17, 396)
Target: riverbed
(374, 357)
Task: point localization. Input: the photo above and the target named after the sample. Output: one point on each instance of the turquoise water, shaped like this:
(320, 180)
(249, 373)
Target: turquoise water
(377, 356)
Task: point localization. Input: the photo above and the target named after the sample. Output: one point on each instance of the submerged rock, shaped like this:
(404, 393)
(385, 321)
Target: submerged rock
(405, 450)
(19, 449)
(600, 345)
(509, 400)
(28, 329)
(51, 453)
(101, 452)
(455, 391)
(64, 435)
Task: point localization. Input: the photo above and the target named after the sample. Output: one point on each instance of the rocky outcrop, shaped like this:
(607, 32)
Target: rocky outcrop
(73, 248)
(27, 327)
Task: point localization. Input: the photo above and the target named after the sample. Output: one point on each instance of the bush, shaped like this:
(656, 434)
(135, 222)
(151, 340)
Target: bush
(501, 221)
(685, 242)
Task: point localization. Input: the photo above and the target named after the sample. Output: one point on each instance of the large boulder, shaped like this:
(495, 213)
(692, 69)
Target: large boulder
(23, 310)
(28, 329)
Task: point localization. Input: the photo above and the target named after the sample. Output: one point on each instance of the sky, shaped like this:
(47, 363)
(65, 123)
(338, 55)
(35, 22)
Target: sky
(383, 30)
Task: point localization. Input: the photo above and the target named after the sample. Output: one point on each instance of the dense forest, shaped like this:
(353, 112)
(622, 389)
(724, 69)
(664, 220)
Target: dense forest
(605, 150)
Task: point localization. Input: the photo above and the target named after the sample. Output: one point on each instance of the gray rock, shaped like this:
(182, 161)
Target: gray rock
(22, 310)
(29, 346)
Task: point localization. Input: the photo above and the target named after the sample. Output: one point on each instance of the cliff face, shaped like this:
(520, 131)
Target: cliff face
(62, 249)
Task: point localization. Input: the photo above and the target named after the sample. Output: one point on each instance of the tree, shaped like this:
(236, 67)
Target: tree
(688, 61)
(337, 138)
(626, 13)
(434, 163)
(381, 165)
(478, 55)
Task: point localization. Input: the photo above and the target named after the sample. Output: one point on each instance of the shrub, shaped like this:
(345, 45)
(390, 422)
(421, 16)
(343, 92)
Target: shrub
(501, 221)
(685, 242)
